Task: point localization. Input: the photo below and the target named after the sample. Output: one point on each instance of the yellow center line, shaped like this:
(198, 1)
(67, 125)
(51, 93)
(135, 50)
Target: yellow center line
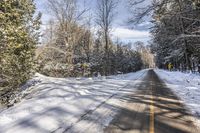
(151, 112)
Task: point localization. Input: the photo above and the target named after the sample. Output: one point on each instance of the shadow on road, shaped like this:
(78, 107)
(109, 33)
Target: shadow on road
(171, 116)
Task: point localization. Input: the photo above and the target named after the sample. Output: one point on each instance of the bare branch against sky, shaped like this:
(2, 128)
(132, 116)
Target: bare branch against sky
(120, 29)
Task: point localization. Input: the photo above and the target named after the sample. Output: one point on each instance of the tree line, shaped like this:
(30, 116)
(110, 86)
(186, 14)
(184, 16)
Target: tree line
(71, 47)
(175, 32)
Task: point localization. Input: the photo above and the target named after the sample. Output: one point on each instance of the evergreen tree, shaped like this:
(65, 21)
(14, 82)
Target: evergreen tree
(18, 39)
(175, 32)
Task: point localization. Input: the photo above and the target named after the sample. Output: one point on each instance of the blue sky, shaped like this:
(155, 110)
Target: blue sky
(120, 28)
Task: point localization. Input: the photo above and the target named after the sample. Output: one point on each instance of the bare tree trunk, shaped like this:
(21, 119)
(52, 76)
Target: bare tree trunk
(188, 65)
(105, 17)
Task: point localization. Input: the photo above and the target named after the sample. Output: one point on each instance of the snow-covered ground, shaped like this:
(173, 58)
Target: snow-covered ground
(186, 86)
(56, 104)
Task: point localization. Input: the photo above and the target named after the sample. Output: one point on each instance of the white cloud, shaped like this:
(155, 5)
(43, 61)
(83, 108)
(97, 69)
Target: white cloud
(145, 24)
(127, 34)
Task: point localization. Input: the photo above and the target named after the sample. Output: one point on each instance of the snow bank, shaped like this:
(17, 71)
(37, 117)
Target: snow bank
(55, 103)
(186, 86)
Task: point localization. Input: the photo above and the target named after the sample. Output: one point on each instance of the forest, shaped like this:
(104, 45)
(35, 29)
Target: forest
(75, 43)
(68, 46)
(175, 32)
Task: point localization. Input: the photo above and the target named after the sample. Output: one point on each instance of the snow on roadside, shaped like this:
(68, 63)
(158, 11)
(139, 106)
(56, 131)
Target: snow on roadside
(58, 103)
(186, 86)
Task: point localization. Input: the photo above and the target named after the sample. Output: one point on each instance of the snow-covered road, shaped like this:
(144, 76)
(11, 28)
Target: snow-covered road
(90, 104)
(56, 105)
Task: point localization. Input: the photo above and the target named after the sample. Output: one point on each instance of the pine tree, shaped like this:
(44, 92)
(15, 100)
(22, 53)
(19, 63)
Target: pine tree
(175, 32)
(18, 39)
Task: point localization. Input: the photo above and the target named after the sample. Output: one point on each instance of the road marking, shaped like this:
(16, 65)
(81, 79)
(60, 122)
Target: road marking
(152, 112)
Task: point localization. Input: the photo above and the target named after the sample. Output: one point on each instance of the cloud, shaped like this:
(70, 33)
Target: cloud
(129, 34)
(145, 24)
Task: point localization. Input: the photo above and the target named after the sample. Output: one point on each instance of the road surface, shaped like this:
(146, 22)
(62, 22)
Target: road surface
(153, 108)
(146, 106)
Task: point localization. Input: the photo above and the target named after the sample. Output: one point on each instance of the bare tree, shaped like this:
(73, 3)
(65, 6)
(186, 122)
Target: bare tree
(104, 19)
(67, 15)
(65, 35)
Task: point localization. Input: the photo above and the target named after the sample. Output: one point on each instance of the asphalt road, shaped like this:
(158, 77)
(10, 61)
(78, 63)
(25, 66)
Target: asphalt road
(153, 108)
